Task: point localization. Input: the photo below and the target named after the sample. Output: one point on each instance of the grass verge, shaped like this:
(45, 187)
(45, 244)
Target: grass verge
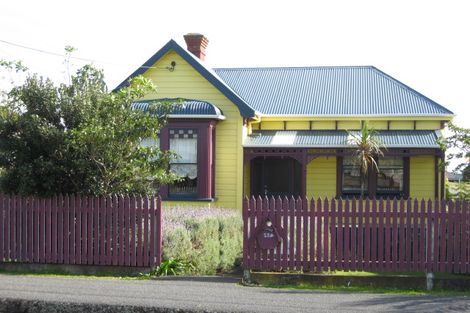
(63, 274)
(356, 289)
(397, 274)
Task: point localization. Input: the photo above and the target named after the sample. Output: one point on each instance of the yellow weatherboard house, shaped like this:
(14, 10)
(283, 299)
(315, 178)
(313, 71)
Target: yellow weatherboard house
(285, 131)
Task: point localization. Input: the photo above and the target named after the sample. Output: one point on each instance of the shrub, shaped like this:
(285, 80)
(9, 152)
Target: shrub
(231, 241)
(457, 191)
(206, 245)
(172, 267)
(177, 243)
(208, 238)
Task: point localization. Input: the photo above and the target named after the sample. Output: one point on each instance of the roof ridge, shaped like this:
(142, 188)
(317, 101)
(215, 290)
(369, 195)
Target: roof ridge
(296, 67)
(406, 87)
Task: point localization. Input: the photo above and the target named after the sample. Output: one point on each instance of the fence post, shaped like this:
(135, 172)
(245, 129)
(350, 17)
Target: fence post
(2, 226)
(159, 230)
(429, 281)
(245, 231)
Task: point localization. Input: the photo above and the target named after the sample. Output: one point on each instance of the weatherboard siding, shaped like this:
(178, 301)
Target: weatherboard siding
(186, 82)
(293, 123)
(297, 125)
(323, 125)
(321, 177)
(422, 177)
(427, 125)
(378, 125)
(349, 125)
(276, 125)
(401, 125)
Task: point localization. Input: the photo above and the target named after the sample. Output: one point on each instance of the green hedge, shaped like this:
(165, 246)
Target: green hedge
(231, 241)
(210, 239)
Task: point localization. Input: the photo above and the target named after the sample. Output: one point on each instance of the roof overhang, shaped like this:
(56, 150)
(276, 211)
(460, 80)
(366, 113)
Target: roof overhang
(363, 116)
(183, 109)
(196, 116)
(339, 139)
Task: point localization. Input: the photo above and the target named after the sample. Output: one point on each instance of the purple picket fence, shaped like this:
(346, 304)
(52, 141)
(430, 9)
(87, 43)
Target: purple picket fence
(114, 230)
(356, 235)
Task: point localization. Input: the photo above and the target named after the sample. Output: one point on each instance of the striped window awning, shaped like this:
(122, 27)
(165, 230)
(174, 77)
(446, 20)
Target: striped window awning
(185, 108)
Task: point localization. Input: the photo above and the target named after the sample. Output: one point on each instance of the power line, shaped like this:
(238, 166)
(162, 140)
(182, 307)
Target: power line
(43, 51)
(63, 55)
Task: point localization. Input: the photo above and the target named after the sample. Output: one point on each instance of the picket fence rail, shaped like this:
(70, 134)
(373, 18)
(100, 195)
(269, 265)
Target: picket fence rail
(74, 229)
(356, 235)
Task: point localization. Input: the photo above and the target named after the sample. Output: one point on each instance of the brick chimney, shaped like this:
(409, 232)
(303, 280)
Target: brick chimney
(197, 44)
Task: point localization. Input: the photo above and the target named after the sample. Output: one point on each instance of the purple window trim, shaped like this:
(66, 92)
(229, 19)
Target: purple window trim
(205, 157)
(372, 180)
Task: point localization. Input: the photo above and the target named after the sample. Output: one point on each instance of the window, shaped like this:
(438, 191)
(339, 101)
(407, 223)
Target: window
(390, 176)
(391, 179)
(184, 143)
(352, 177)
(194, 142)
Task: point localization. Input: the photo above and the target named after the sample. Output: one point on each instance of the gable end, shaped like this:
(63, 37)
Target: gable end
(244, 108)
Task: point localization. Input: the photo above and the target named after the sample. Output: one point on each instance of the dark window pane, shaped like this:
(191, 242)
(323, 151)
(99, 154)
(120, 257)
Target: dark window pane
(274, 176)
(188, 185)
(390, 176)
(352, 177)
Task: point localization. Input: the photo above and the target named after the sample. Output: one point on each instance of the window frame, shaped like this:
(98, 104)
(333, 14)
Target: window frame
(352, 193)
(196, 163)
(398, 193)
(371, 191)
(205, 158)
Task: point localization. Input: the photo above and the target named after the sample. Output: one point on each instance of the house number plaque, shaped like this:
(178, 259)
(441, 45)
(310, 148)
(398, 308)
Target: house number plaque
(268, 236)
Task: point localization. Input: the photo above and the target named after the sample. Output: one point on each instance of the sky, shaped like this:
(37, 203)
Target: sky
(422, 43)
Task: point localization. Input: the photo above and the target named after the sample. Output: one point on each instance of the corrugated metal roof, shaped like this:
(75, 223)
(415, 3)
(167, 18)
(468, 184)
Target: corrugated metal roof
(339, 138)
(186, 107)
(327, 91)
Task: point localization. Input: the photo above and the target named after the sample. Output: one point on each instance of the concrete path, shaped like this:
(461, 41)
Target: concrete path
(213, 295)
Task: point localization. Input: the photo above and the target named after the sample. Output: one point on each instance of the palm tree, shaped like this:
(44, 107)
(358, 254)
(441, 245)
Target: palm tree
(367, 148)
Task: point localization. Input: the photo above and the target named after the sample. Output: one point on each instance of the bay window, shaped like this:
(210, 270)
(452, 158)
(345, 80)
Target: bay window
(193, 142)
(184, 143)
(190, 133)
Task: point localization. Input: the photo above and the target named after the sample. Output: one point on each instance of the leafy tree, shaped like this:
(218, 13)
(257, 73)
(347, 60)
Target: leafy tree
(457, 191)
(11, 71)
(466, 173)
(78, 138)
(33, 136)
(107, 145)
(367, 148)
(458, 146)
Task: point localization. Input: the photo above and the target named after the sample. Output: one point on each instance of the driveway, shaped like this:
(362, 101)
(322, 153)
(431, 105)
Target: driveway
(212, 294)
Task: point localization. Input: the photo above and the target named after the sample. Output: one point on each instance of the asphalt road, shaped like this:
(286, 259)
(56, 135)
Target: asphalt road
(214, 295)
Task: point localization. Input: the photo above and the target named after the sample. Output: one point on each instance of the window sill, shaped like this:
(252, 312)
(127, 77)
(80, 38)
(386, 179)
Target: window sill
(189, 199)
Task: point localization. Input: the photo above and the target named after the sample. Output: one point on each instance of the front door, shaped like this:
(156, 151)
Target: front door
(275, 176)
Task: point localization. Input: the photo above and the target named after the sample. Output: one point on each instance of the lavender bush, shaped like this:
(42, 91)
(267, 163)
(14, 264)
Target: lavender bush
(209, 238)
